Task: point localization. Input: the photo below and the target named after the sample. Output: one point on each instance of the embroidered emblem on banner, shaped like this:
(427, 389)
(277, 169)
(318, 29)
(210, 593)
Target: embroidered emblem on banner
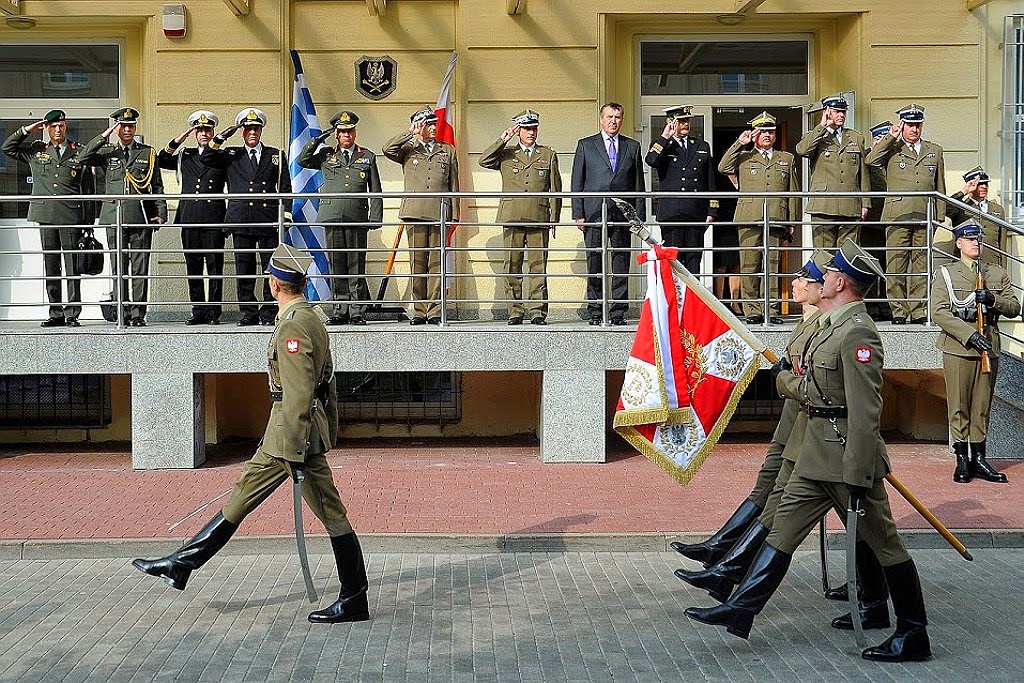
(376, 77)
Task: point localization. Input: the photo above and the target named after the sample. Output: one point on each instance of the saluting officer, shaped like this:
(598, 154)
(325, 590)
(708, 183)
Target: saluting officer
(258, 168)
(428, 165)
(836, 155)
(759, 167)
(303, 426)
(914, 165)
(683, 163)
(130, 167)
(346, 168)
(56, 170)
(528, 223)
(956, 303)
(975, 194)
(204, 246)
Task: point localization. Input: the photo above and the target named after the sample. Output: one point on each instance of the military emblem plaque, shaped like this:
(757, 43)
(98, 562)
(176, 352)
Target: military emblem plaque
(376, 77)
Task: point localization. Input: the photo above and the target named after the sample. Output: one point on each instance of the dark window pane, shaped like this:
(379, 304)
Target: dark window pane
(55, 401)
(724, 68)
(59, 72)
(399, 397)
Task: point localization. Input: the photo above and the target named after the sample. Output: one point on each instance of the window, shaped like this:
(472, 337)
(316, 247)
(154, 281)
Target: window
(60, 401)
(399, 397)
(724, 68)
(60, 72)
(1013, 118)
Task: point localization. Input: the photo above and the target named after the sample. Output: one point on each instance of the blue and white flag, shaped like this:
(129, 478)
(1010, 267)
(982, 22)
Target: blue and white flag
(303, 233)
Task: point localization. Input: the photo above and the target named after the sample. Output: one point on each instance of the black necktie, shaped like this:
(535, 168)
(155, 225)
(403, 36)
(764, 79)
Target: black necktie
(125, 152)
(253, 159)
(348, 157)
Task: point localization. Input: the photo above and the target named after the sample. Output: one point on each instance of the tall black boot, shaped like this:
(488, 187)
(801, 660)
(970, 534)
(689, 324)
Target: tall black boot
(980, 467)
(874, 593)
(910, 641)
(714, 549)
(351, 603)
(179, 565)
(962, 473)
(764, 577)
(718, 579)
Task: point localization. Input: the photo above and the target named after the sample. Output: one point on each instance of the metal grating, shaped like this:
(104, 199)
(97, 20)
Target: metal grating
(55, 401)
(400, 397)
(760, 401)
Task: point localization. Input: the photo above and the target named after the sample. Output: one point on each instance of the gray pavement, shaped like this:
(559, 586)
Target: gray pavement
(554, 616)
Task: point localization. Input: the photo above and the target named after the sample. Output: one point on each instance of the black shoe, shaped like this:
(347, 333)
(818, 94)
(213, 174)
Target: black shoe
(980, 467)
(179, 565)
(196, 319)
(918, 321)
(213, 321)
(266, 322)
(351, 603)
(72, 322)
(618, 320)
(714, 549)
(839, 593)
(538, 321)
(52, 322)
(754, 319)
(718, 580)
(776, 320)
(872, 615)
(909, 643)
(962, 474)
(248, 320)
(338, 320)
(418, 320)
(137, 322)
(357, 320)
(899, 320)
(595, 320)
(435, 320)
(515, 320)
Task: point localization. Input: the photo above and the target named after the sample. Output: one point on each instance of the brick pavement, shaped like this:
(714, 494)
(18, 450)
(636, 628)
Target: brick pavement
(501, 617)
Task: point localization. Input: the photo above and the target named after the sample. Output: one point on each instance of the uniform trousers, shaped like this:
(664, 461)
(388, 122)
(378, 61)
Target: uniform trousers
(690, 238)
(133, 270)
(348, 268)
(61, 239)
(262, 475)
(529, 243)
(619, 239)
(831, 232)
(752, 261)
(207, 247)
(245, 268)
(425, 260)
(901, 259)
(968, 396)
(769, 474)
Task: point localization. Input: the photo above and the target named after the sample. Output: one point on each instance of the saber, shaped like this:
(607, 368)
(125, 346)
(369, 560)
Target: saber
(823, 547)
(931, 518)
(198, 510)
(852, 513)
(300, 538)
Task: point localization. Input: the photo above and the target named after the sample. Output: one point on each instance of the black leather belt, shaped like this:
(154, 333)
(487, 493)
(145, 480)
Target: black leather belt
(276, 395)
(825, 411)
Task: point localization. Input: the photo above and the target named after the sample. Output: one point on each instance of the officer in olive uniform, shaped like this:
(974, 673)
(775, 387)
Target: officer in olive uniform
(836, 155)
(528, 223)
(915, 165)
(303, 426)
(684, 164)
(204, 246)
(56, 169)
(346, 168)
(428, 165)
(759, 167)
(842, 463)
(130, 167)
(258, 168)
(975, 194)
(872, 234)
(956, 300)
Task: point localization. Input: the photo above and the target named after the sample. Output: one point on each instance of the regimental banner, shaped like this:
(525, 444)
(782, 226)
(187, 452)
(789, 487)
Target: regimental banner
(376, 77)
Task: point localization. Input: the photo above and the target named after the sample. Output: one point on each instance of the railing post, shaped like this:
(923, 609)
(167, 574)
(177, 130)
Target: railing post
(767, 298)
(444, 266)
(604, 263)
(119, 262)
(929, 213)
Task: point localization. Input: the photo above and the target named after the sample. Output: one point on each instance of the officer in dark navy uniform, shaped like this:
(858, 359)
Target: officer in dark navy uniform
(683, 164)
(252, 167)
(204, 246)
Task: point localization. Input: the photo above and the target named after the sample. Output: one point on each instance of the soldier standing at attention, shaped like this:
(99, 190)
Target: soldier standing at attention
(975, 194)
(836, 155)
(253, 167)
(428, 165)
(130, 167)
(528, 223)
(913, 165)
(956, 304)
(204, 246)
(684, 165)
(302, 427)
(759, 167)
(346, 168)
(56, 170)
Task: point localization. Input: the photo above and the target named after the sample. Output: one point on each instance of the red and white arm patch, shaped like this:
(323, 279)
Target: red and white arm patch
(864, 354)
(291, 345)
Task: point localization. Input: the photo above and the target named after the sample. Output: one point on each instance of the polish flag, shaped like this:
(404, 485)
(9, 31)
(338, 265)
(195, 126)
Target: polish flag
(445, 133)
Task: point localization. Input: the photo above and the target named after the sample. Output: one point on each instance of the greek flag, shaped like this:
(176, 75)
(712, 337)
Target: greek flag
(303, 233)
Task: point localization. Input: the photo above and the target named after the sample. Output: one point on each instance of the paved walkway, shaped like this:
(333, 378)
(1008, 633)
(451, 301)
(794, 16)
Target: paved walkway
(500, 617)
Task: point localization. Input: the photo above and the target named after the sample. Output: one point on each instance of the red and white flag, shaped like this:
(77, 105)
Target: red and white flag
(446, 133)
(686, 372)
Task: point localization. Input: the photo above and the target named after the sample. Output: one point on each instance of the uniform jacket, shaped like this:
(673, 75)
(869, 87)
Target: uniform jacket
(836, 167)
(271, 175)
(359, 175)
(907, 171)
(755, 174)
(52, 177)
(142, 166)
(196, 178)
(955, 330)
(688, 170)
(298, 360)
(843, 368)
(591, 172)
(519, 173)
(802, 333)
(436, 171)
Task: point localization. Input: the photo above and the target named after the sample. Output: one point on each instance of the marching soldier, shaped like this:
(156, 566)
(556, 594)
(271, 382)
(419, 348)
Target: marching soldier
(842, 463)
(204, 246)
(913, 165)
(346, 168)
(975, 193)
(836, 155)
(759, 167)
(130, 167)
(956, 303)
(252, 167)
(684, 165)
(303, 426)
(56, 170)
(528, 223)
(428, 165)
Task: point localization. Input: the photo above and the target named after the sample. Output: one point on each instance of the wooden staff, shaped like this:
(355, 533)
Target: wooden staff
(986, 365)
(927, 514)
(389, 267)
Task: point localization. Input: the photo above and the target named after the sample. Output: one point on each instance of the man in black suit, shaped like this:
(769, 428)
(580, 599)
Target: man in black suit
(607, 162)
(683, 164)
(203, 245)
(253, 167)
